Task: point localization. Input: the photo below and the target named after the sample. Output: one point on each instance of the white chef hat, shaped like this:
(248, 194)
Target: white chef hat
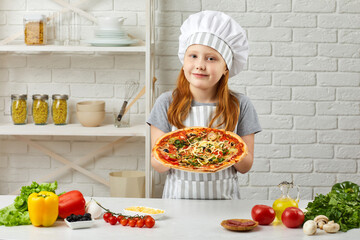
(218, 31)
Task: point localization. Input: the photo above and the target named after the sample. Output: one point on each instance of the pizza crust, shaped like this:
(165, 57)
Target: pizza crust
(203, 170)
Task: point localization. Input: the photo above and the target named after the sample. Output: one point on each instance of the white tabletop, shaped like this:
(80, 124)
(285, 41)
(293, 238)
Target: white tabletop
(184, 219)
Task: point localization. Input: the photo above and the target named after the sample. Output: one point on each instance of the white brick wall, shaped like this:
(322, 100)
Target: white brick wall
(303, 77)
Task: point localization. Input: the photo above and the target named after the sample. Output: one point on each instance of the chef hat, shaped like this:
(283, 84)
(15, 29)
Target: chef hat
(218, 31)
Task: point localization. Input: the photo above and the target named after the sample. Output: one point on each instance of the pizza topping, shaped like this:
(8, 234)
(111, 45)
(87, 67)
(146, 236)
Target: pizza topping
(236, 223)
(199, 149)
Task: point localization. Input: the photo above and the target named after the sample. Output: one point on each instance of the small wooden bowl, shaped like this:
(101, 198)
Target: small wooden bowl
(242, 227)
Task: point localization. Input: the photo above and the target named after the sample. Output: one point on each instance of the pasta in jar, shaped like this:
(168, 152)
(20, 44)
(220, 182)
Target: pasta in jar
(40, 109)
(60, 109)
(35, 30)
(18, 109)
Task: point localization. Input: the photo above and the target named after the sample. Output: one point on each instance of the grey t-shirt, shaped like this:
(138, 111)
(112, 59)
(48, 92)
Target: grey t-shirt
(248, 121)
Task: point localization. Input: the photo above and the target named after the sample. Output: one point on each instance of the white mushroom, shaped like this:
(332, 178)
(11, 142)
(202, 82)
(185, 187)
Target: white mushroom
(331, 227)
(310, 227)
(212, 136)
(321, 220)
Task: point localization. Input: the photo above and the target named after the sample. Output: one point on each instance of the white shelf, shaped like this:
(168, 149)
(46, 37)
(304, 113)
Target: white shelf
(80, 48)
(70, 130)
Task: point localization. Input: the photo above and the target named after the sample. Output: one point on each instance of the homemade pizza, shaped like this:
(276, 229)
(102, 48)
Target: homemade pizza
(199, 149)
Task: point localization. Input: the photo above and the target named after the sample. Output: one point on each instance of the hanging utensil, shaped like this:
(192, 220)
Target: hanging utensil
(131, 88)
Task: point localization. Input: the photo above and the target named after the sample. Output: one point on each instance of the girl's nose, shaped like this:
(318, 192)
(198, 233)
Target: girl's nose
(200, 64)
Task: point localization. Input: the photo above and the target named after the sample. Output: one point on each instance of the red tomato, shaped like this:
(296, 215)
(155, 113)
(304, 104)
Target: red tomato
(292, 217)
(112, 220)
(124, 221)
(106, 216)
(140, 223)
(263, 214)
(149, 222)
(119, 218)
(132, 222)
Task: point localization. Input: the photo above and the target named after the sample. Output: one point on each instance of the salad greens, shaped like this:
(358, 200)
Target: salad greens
(341, 204)
(17, 213)
(10, 216)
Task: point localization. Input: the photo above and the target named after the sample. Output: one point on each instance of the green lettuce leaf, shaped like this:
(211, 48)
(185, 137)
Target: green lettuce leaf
(10, 216)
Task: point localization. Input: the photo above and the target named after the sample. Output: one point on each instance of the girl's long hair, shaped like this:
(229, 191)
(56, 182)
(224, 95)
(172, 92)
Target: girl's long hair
(227, 110)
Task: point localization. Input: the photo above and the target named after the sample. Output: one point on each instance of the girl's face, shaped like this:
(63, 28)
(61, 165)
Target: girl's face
(203, 67)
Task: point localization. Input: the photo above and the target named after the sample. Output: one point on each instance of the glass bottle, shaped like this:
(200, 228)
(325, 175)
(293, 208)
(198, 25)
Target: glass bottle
(59, 109)
(285, 200)
(18, 109)
(40, 109)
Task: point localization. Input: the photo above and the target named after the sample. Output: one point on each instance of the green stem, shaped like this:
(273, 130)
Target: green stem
(118, 214)
(107, 210)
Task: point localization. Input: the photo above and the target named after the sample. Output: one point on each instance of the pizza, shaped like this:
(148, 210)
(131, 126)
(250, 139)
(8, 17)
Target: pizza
(199, 149)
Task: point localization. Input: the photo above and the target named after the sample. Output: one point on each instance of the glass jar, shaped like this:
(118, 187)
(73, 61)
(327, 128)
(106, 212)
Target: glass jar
(18, 109)
(35, 29)
(59, 109)
(40, 109)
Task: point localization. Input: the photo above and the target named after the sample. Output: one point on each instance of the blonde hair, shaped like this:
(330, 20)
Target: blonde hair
(227, 110)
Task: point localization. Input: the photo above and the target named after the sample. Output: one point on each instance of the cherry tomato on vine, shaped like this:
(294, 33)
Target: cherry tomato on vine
(112, 220)
(106, 216)
(132, 222)
(149, 222)
(124, 221)
(140, 223)
(119, 218)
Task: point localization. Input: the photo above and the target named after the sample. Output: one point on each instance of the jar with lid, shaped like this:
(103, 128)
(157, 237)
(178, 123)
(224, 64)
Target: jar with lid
(59, 109)
(35, 29)
(18, 109)
(40, 109)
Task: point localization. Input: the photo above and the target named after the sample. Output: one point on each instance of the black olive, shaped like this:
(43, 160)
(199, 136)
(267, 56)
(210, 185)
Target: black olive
(166, 150)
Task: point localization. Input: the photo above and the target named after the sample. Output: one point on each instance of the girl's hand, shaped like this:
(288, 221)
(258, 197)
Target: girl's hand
(155, 134)
(245, 164)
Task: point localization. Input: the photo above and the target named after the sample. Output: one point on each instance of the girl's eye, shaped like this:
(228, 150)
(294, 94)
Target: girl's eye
(192, 55)
(211, 58)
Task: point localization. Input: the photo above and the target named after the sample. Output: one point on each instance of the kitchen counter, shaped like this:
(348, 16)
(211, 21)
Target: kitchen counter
(183, 219)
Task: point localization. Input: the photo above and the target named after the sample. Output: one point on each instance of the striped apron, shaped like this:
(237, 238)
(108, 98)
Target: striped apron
(189, 185)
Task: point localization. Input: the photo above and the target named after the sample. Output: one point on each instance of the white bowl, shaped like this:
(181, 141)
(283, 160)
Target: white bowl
(154, 216)
(80, 224)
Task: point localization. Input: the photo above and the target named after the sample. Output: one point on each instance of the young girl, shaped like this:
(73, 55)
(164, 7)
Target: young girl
(212, 48)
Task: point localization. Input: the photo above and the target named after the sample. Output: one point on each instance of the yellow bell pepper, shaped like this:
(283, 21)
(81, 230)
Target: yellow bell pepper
(43, 208)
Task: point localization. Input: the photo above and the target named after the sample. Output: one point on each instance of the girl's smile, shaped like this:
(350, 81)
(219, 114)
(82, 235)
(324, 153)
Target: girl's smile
(199, 75)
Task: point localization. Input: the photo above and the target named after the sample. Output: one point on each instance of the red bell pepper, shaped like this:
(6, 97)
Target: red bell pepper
(72, 202)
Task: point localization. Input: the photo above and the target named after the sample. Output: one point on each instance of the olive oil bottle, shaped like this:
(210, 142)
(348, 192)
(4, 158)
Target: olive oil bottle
(285, 200)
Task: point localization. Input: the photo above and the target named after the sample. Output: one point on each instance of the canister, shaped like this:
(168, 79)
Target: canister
(18, 109)
(40, 108)
(59, 109)
(35, 29)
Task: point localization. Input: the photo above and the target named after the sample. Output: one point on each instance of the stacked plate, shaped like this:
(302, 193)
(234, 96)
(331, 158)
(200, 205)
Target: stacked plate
(111, 38)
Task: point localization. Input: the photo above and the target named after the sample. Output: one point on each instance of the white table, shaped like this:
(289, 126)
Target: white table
(184, 219)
